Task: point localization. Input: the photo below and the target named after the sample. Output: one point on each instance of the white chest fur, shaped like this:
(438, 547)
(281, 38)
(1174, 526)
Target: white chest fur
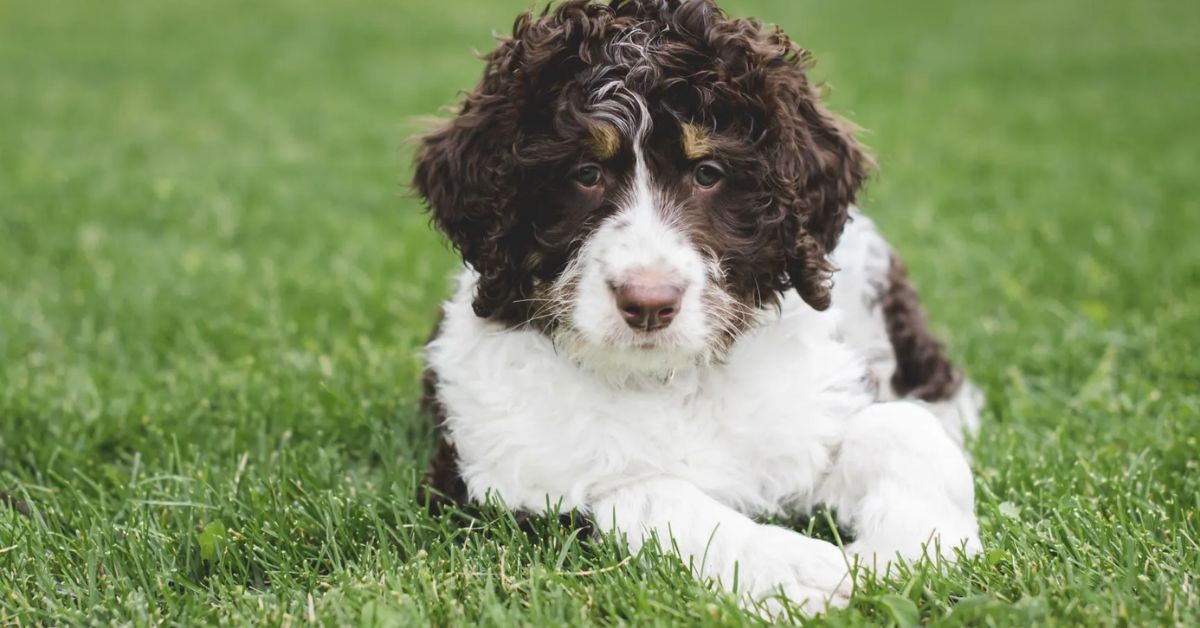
(756, 432)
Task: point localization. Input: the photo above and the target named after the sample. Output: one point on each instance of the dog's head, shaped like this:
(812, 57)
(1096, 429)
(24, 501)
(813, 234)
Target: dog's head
(636, 179)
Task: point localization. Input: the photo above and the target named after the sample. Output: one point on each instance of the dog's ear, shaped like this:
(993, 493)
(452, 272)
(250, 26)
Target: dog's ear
(812, 166)
(820, 169)
(470, 170)
(466, 172)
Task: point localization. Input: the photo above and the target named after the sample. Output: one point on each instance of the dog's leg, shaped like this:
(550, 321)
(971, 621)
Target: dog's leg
(761, 561)
(902, 485)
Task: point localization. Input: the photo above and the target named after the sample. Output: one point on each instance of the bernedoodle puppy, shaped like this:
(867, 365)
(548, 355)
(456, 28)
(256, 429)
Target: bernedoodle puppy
(672, 317)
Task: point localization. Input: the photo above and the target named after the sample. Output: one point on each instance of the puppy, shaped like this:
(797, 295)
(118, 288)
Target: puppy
(656, 324)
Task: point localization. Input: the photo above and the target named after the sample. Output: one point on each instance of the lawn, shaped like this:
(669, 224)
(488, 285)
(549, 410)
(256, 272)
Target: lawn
(214, 286)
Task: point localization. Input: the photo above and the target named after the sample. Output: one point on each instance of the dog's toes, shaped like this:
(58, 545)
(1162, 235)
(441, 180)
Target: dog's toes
(812, 574)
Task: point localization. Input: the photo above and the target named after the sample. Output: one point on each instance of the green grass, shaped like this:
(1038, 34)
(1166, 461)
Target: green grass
(214, 286)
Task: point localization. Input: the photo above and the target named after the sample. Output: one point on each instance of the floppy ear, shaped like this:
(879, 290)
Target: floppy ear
(466, 172)
(470, 170)
(820, 169)
(813, 167)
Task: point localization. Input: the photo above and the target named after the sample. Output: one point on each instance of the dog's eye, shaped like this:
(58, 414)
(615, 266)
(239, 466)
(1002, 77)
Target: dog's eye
(588, 175)
(708, 174)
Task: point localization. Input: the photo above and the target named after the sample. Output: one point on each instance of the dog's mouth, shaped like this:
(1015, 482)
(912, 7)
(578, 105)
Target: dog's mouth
(642, 340)
(652, 340)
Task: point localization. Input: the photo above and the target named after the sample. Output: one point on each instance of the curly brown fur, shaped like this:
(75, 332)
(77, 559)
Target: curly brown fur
(491, 176)
(923, 370)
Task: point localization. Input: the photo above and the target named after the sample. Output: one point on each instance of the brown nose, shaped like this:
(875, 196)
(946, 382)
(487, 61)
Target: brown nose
(648, 305)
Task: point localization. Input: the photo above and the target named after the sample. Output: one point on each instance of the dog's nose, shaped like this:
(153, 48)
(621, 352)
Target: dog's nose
(648, 303)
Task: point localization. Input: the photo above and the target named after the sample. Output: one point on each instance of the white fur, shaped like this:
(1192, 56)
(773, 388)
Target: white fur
(863, 259)
(675, 435)
(640, 236)
(785, 422)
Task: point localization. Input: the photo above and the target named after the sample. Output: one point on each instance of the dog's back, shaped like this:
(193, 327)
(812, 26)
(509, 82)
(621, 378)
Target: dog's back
(883, 317)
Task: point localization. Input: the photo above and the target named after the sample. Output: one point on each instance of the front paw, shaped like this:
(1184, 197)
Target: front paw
(776, 563)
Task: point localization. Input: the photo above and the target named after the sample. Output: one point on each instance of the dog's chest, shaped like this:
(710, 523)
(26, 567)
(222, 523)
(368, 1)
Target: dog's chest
(529, 425)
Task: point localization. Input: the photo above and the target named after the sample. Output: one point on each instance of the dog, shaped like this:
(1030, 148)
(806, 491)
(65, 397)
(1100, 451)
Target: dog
(672, 317)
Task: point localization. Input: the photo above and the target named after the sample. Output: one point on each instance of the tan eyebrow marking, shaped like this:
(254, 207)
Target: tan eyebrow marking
(603, 141)
(696, 142)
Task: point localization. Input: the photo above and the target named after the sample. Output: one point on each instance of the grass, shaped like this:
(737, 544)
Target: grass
(213, 289)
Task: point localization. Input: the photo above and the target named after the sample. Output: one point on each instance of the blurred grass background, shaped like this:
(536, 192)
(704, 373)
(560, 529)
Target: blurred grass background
(214, 286)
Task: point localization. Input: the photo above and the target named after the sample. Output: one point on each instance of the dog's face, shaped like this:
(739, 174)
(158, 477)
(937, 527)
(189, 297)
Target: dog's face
(637, 179)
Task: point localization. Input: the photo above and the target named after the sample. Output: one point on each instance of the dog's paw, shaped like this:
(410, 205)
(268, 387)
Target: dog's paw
(776, 563)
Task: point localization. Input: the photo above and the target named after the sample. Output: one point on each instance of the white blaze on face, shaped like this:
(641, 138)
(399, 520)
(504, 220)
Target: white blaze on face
(640, 239)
